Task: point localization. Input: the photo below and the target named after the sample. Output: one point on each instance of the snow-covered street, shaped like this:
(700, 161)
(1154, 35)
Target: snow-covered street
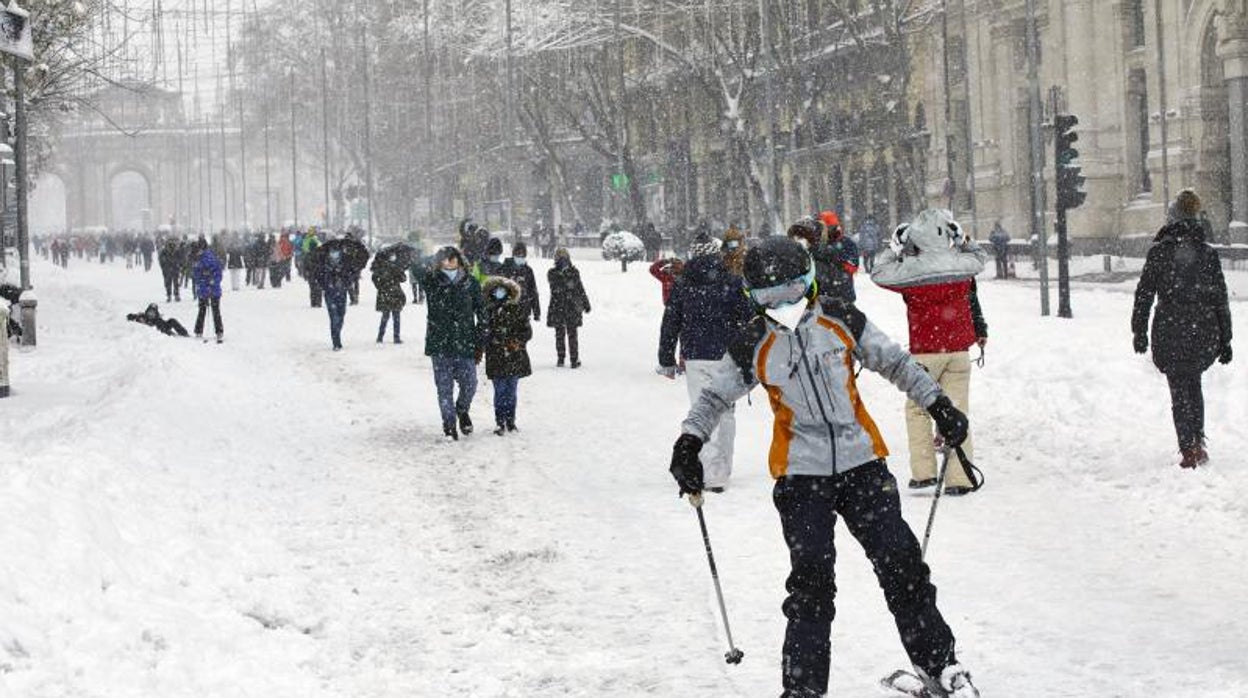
(269, 518)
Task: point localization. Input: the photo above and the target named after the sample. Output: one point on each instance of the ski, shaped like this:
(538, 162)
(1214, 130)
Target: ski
(905, 683)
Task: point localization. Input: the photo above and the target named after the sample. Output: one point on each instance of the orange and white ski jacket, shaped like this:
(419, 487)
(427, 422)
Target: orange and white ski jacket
(821, 425)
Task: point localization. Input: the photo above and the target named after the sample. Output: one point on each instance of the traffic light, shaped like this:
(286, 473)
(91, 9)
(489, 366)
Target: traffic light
(1070, 179)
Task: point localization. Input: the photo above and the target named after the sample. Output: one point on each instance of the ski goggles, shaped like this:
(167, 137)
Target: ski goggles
(787, 293)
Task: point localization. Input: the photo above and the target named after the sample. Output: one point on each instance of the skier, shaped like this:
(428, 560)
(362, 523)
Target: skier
(932, 264)
(388, 278)
(568, 302)
(516, 267)
(206, 274)
(507, 331)
(827, 458)
(1192, 325)
(453, 335)
(707, 309)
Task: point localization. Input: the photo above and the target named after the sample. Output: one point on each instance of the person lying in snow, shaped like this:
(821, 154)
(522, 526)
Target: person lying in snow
(151, 317)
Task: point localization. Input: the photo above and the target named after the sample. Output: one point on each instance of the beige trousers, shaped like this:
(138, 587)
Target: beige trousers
(953, 373)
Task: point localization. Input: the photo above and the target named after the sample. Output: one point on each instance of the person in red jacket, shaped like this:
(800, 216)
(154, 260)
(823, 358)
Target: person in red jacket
(933, 265)
(667, 271)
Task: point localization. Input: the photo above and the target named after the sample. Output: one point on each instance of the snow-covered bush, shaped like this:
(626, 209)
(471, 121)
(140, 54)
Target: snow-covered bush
(623, 246)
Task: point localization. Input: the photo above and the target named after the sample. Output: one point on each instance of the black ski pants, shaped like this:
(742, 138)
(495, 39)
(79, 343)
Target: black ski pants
(1187, 405)
(866, 497)
(572, 344)
(216, 315)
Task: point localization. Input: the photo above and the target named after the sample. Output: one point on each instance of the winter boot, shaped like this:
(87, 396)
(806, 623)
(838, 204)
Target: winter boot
(220, 337)
(958, 490)
(465, 423)
(511, 425)
(559, 363)
(576, 363)
(1194, 457)
(923, 484)
(501, 429)
(450, 432)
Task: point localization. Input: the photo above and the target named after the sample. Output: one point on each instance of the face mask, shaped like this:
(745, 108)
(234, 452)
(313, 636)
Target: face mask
(520, 261)
(500, 293)
(732, 244)
(451, 274)
(789, 315)
(496, 258)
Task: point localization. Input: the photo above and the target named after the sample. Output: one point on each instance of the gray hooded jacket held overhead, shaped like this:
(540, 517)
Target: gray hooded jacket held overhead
(821, 425)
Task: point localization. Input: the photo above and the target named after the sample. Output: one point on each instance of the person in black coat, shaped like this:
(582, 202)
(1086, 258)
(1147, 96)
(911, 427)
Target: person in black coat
(1192, 325)
(389, 277)
(568, 301)
(516, 267)
(507, 331)
(492, 263)
(151, 317)
(170, 259)
(707, 309)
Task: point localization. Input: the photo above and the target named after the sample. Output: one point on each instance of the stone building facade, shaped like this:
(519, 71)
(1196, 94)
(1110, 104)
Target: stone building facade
(1099, 61)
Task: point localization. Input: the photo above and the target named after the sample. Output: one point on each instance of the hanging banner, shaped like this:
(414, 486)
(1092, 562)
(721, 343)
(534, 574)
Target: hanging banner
(15, 38)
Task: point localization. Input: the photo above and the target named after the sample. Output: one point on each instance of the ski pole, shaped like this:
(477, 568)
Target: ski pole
(940, 487)
(734, 655)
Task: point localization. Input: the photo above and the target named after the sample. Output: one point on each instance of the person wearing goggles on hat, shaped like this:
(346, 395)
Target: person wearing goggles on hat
(828, 459)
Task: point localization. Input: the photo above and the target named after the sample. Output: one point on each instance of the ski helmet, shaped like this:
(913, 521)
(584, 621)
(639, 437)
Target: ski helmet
(778, 272)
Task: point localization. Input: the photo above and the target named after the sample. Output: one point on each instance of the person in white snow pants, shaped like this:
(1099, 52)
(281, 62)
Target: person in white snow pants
(717, 451)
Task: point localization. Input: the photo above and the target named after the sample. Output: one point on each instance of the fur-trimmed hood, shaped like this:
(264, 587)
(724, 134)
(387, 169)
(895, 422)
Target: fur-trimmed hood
(932, 249)
(514, 292)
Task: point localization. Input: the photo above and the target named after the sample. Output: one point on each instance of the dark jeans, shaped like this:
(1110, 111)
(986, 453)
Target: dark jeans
(336, 305)
(172, 289)
(1187, 404)
(385, 315)
(216, 315)
(572, 343)
(447, 371)
(505, 398)
(1003, 266)
(867, 499)
(314, 292)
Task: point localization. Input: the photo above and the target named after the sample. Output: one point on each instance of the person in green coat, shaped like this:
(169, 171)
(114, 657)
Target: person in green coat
(454, 335)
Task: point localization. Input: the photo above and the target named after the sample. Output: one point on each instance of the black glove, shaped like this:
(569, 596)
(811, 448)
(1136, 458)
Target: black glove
(686, 467)
(1224, 354)
(1140, 343)
(950, 421)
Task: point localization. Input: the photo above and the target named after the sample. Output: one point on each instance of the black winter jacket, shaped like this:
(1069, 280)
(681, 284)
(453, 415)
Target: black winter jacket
(1193, 318)
(707, 308)
(507, 331)
(523, 275)
(567, 297)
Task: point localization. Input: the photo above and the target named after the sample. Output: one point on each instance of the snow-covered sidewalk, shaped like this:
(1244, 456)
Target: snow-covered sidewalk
(268, 518)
